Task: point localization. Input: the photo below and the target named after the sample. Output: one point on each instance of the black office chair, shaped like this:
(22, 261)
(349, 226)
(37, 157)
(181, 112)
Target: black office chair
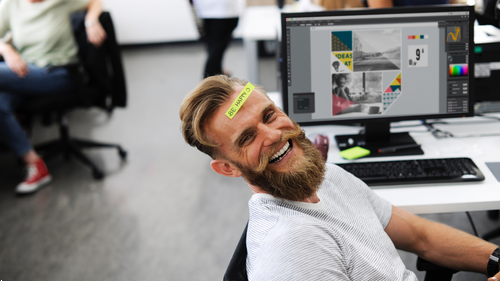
(237, 270)
(492, 214)
(103, 86)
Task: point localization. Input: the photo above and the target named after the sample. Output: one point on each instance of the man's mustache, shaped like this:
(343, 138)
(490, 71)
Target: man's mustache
(265, 158)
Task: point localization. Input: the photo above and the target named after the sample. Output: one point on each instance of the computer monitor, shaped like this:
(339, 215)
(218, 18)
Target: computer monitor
(376, 66)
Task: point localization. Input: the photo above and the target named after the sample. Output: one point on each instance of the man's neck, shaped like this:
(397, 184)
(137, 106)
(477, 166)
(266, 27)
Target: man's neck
(311, 199)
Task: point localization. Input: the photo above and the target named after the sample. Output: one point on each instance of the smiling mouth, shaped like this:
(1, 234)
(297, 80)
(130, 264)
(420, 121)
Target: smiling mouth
(278, 156)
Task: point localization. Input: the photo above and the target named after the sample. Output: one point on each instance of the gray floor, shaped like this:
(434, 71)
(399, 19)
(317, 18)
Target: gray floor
(161, 215)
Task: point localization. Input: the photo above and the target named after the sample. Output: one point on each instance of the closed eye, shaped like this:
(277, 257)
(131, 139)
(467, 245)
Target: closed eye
(246, 139)
(269, 116)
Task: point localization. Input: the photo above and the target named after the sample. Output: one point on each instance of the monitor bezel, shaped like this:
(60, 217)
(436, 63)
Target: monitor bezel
(365, 11)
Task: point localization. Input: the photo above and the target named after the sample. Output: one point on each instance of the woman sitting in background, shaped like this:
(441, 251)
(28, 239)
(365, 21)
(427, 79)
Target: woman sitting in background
(34, 66)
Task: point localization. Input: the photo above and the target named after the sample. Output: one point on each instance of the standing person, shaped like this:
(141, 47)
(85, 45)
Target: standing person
(36, 64)
(220, 18)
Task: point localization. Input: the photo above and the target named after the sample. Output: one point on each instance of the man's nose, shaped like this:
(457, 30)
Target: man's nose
(271, 135)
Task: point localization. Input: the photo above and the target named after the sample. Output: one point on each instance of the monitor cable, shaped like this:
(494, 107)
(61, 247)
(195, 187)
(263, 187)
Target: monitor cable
(437, 133)
(472, 223)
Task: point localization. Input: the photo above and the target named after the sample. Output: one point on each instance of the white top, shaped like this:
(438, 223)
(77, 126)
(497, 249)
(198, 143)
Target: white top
(216, 9)
(340, 238)
(42, 31)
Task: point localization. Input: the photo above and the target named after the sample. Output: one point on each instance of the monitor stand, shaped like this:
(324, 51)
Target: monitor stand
(378, 135)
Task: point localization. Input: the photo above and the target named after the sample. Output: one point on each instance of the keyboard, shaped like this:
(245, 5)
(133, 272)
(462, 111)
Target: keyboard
(442, 170)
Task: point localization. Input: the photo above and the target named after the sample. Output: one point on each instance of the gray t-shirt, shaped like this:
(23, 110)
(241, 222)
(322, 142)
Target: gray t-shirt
(340, 238)
(41, 32)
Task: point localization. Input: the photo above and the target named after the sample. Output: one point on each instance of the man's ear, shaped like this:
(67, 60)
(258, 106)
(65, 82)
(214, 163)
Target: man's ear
(225, 168)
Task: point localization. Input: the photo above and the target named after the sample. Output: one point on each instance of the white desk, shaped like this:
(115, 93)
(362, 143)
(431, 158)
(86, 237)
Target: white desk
(436, 198)
(439, 198)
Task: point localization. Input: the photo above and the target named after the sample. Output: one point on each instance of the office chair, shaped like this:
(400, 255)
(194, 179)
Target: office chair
(103, 87)
(492, 214)
(237, 270)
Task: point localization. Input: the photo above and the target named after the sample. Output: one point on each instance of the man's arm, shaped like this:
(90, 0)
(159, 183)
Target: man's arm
(439, 243)
(95, 32)
(380, 3)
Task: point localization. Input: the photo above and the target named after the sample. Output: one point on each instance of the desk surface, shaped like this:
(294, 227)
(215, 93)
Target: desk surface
(477, 138)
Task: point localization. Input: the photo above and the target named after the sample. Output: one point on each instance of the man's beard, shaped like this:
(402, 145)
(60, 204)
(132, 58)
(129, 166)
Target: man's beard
(304, 178)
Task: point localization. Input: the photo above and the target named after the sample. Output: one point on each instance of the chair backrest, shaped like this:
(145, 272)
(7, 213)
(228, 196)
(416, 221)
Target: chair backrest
(104, 64)
(237, 268)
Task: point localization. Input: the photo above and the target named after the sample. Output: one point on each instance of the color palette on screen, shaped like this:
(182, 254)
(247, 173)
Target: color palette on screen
(412, 37)
(459, 70)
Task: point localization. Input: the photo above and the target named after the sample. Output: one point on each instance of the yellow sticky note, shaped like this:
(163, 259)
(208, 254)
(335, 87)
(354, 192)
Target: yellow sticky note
(238, 102)
(354, 153)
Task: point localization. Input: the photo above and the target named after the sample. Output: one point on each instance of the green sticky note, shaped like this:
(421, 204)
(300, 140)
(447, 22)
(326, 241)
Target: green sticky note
(239, 101)
(354, 153)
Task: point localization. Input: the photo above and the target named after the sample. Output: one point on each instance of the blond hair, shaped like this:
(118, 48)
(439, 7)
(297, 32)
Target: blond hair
(201, 104)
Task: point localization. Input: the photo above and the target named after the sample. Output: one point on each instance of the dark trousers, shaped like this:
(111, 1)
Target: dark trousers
(217, 38)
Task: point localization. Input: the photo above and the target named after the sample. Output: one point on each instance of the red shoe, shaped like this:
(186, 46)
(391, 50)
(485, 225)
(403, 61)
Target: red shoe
(37, 177)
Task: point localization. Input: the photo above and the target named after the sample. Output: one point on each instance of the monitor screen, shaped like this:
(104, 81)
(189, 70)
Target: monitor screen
(374, 66)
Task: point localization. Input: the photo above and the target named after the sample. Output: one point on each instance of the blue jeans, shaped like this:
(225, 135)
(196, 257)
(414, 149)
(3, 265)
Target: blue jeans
(13, 90)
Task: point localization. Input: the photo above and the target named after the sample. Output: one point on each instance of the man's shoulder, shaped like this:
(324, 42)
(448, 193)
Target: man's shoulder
(339, 182)
(289, 246)
(290, 232)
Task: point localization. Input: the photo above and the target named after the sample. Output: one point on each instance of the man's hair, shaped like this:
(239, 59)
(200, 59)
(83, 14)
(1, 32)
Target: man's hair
(201, 104)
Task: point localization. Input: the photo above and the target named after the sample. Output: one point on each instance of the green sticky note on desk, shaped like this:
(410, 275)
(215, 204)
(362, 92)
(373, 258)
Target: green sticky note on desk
(354, 153)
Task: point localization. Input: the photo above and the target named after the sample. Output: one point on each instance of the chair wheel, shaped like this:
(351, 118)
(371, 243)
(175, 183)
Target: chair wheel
(97, 174)
(123, 153)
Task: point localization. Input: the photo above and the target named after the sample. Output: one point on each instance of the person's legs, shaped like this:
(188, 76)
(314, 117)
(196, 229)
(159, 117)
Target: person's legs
(13, 89)
(217, 36)
(39, 81)
(10, 130)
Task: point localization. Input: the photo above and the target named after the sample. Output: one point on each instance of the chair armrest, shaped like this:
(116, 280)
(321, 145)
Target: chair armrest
(433, 271)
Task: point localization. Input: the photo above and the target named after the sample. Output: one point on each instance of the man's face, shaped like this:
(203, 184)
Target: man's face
(267, 148)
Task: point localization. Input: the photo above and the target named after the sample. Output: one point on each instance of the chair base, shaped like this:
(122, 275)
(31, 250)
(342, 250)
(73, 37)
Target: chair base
(73, 147)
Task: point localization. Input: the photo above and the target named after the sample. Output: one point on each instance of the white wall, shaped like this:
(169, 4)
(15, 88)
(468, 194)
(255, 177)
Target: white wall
(155, 21)
(152, 21)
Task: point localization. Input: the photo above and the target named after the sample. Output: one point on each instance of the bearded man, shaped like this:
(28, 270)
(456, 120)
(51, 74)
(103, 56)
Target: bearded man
(310, 220)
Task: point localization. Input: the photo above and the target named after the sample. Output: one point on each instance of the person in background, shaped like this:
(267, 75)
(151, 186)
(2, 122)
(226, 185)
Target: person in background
(220, 18)
(396, 3)
(38, 63)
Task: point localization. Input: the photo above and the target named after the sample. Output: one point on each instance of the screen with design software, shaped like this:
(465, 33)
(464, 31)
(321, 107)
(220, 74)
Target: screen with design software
(377, 64)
